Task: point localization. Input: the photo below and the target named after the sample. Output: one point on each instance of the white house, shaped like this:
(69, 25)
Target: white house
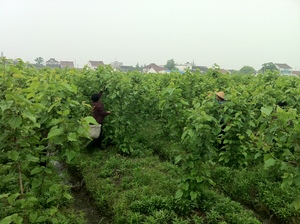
(116, 64)
(64, 64)
(184, 67)
(52, 63)
(153, 68)
(284, 69)
(94, 64)
(202, 69)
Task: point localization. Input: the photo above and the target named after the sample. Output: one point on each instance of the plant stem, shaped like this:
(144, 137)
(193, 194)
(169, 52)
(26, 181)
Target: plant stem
(20, 179)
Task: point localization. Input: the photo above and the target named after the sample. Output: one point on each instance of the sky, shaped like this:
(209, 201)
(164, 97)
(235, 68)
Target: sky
(230, 33)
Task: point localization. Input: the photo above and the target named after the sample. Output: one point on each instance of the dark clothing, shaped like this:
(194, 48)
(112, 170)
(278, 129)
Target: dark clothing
(99, 114)
(222, 133)
(98, 110)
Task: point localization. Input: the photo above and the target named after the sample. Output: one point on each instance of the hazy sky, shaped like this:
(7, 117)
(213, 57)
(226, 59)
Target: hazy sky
(231, 33)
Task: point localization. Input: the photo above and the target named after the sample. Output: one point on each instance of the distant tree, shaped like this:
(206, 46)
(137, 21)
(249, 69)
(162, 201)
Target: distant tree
(269, 66)
(137, 66)
(233, 71)
(39, 61)
(170, 64)
(193, 63)
(247, 70)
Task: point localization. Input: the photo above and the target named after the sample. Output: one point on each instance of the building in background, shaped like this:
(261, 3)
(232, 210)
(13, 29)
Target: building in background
(284, 69)
(202, 69)
(66, 64)
(153, 68)
(94, 64)
(184, 67)
(52, 63)
(116, 64)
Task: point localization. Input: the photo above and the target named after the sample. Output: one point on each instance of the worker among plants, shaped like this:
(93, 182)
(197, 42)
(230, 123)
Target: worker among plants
(220, 97)
(99, 114)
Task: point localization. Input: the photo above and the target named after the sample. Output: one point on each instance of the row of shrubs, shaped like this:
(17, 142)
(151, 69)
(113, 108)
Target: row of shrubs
(261, 190)
(141, 189)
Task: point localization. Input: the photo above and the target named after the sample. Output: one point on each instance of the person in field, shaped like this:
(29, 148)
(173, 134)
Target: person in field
(99, 114)
(220, 97)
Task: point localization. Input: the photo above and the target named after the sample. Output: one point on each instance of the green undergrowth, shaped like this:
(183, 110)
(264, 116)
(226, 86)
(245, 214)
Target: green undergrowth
(141, 189)
(152, 137)
(261, 190)
(48, 202)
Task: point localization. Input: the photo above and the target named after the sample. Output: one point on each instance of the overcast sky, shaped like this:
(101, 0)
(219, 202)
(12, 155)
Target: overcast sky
(231, 33)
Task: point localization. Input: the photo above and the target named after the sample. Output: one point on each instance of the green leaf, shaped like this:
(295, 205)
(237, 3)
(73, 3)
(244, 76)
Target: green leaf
(66, 112)
(269, 162)
(185, 186)
(13, 155)
(69, 88)
(15, 122)
(178, 194)
(72, 137)
(266, 110)
(193, 195)
(90, 119)
(32, 199)
(296, 204)
(11, 199)
(70, 154)
(39, 106)
(53, 210)
(55, 121)
(32, 158)
(29, 115)
(178, 159)
(36, 183)
(216, 130)
(54, 187)
(257, 155)
(4, 105)
(33, 216)
(41, 219)
(36, 170)
(199, 179)
(67, 196)
(4, 195)
(55, 131)
(51, 199)
(6, 220)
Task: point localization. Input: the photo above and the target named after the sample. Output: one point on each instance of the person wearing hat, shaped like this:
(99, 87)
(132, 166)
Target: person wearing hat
(99, 114)
(220, 96)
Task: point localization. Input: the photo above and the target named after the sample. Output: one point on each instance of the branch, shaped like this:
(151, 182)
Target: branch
(20, 179)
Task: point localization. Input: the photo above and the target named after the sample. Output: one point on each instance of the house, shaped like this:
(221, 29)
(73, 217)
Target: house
(184, 67)
(153, 68)
(116, 64)
(224, 71)
(124, 68)
(202, 69)
(284, 69)
(52, 63)
(38, 66)
(94, 64)
(297, 73)
(65, 64)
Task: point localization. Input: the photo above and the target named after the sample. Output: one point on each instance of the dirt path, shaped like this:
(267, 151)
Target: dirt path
(83, 202)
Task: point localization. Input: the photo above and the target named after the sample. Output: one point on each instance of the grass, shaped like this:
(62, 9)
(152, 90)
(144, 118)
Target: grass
(140, 188)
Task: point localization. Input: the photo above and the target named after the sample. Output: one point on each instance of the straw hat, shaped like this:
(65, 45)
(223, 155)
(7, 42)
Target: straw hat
(221, 95)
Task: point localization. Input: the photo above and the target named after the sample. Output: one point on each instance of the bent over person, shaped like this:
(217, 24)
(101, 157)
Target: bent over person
(220, 97)
(99, 114)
